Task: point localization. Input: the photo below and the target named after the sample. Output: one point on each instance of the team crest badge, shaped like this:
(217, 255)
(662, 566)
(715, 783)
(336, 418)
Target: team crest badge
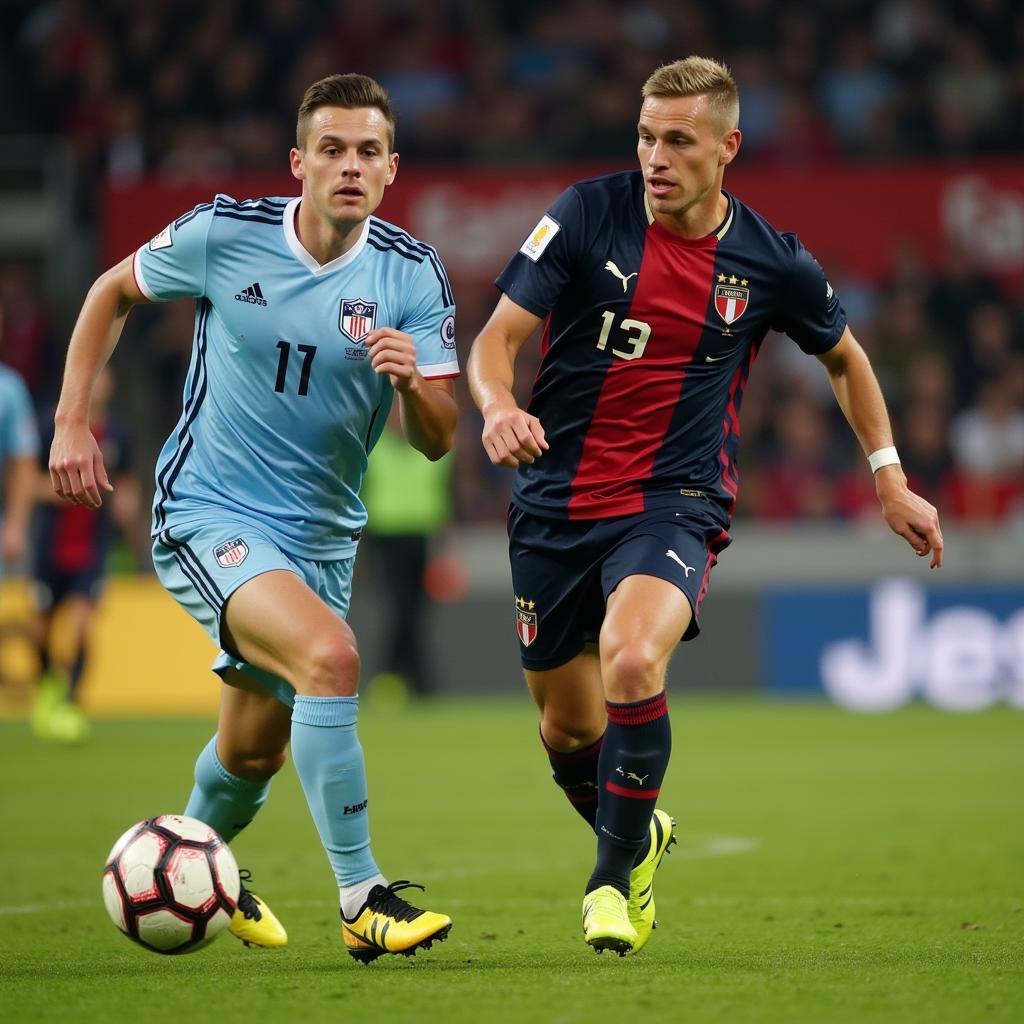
(358, 318)
(731, 300)
(231, 553)
(526, 621)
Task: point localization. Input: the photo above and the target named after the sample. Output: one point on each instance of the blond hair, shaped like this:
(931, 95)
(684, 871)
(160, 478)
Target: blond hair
(699, 76)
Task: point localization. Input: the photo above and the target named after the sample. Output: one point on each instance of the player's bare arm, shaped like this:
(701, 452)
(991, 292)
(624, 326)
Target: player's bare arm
(428, 407)
(511, 435)
(859, 396)
(19, 479)
(76, 462)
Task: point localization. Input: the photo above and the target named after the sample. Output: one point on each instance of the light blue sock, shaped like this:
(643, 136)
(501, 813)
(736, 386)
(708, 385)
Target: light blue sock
(224, 801)
(329, 760)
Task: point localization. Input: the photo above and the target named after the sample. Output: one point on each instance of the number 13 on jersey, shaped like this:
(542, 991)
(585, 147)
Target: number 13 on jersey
(636, 334)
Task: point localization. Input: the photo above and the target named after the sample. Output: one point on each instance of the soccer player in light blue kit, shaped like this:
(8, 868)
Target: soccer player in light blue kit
(19, 446)
(310, 315)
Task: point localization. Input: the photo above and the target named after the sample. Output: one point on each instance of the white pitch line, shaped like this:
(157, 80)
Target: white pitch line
(48, 908)
(697, 848)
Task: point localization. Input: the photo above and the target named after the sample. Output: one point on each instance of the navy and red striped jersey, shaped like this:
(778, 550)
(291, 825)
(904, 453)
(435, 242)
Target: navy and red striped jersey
(647, 345)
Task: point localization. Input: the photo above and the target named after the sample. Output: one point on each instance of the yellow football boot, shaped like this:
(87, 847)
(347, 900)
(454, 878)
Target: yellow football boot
(68, 724)
(606, 922)
(386, 923)
(254, 922)
(641, 878)
(51, 693)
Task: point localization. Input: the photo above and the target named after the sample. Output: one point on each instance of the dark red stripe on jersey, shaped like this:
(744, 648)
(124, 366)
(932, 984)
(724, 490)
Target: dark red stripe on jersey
(638, 713)
(731, 428)
(633, 794)
(639, 396)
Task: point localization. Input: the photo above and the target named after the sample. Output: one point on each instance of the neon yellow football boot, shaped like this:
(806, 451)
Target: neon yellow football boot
(254, 922)
(641, 879)
(51, 692)
(386, 923)
(68, 724)
(606, 923)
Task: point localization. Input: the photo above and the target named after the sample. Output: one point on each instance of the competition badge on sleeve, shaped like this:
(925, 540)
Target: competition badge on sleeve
(526, 621)
(358, 318)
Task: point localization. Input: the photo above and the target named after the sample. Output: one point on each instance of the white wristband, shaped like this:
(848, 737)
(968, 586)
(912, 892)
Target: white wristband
(883, 457)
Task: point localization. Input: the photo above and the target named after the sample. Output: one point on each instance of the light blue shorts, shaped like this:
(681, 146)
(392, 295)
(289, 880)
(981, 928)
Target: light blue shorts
(203, 564)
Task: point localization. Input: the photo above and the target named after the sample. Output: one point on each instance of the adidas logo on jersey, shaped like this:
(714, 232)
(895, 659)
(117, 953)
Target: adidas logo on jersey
(253, 295)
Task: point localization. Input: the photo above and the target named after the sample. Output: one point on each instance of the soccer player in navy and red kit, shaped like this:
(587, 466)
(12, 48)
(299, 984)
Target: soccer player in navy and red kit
(656, 289)
(70, 544)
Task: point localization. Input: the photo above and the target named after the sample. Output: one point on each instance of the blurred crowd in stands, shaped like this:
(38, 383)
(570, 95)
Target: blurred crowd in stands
(193, 90)
(191, 87)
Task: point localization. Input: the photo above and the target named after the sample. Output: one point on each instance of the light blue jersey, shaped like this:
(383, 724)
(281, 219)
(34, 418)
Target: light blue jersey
(281, 405)
(18, 434)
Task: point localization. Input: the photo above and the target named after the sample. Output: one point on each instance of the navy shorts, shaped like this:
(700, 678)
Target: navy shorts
(49, 589)
(564, 570)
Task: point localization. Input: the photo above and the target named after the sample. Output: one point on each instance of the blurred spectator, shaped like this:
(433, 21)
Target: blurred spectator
(25, 331)
(988, 438)
(408, 501)
(924, 450)
(854, 89)
(799, 480)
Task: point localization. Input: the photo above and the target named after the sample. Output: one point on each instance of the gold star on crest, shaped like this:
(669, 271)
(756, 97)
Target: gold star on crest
(733, 279)
(721, 278)
(530, 605)
(520, 602)
(744, 282)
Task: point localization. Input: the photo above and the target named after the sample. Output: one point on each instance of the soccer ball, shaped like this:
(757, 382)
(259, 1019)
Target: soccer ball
(171, 884)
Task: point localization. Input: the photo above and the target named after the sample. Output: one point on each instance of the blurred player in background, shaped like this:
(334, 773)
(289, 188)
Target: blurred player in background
(311, 314)
(70, 544)
(658, 289)
(19, 446)
(408, 502)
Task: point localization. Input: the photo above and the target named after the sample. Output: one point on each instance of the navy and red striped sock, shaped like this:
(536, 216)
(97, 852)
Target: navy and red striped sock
(631, 767)
(576, 773)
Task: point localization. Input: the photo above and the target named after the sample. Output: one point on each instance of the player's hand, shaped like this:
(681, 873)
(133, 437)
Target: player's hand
(908, 514)
(394, 353)
(512, 436)
(76, 466)
(12, 543)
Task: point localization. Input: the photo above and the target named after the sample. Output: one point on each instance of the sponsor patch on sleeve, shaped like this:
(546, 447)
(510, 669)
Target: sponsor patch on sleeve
(163, 240)
(448, 332)
(540, 238)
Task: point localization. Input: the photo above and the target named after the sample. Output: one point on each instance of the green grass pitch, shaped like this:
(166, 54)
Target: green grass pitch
(830, 868)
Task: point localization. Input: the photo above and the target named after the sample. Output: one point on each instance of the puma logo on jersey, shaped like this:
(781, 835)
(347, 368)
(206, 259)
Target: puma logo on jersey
(687, 569)
(638, 779)
(624, 278)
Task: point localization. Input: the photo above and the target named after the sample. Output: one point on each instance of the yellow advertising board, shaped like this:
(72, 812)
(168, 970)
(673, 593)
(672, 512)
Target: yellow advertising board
(147, 657)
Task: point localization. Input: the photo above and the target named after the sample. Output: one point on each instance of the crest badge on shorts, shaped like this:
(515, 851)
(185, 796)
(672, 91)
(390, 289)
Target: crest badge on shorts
(358, 318)
(231, 553)
(526, 621)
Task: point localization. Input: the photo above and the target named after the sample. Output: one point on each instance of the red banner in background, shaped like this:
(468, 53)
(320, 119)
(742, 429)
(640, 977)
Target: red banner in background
(851, 216)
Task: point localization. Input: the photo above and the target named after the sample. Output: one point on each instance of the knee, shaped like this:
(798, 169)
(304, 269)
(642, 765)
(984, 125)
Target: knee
(253, 765)
(632, 671)
(567, 734)
(331, 666)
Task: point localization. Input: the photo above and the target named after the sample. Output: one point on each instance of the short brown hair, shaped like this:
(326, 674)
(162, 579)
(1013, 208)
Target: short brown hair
(350, 91)
(699, 76)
